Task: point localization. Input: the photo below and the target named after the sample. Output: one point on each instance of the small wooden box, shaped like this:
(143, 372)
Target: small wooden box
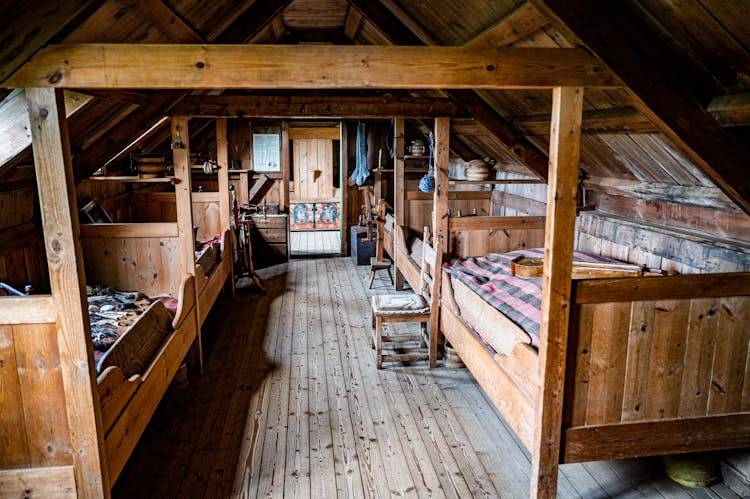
(362, 250)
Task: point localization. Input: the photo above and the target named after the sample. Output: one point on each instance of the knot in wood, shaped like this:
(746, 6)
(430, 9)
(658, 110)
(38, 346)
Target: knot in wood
(55, 245)
(490, 67)
(200, 64)
(43, 113)
(55, 77)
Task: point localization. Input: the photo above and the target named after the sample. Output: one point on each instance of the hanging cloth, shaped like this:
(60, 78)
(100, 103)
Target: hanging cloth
(360, 171)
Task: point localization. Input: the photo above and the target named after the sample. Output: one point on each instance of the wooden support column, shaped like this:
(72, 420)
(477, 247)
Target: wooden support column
(344, 188)
(285, 167)
(225, 198)
(184, 203)
(399, 186)
(54, 173)
(565, 141)
(439, 223)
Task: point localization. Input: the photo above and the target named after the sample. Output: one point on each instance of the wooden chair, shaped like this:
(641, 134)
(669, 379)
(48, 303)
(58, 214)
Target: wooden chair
(420, 306)
(377, 262)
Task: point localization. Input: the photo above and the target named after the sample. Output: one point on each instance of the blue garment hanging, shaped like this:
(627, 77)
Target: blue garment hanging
(360, 171)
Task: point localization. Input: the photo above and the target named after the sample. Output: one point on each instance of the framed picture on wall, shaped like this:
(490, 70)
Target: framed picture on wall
(266, 152)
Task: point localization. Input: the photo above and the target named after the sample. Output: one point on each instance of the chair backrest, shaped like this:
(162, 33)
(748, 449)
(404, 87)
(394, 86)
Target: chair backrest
(380, 220)
(430, 269)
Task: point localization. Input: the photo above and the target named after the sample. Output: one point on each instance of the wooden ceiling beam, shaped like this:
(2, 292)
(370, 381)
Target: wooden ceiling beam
(519, 24)
(252, 21)
(353, 23)
(397, 31)
(167, 21)
(35, 26)
(138, 66)
(654, 83)
(282, 106)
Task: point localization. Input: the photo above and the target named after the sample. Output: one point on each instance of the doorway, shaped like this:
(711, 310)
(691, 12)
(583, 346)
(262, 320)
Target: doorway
(315, 189)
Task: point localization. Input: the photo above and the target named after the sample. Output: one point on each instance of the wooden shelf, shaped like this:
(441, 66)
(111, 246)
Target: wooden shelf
(503, 181)
(406, 170)
(135, 180)
(414, 156)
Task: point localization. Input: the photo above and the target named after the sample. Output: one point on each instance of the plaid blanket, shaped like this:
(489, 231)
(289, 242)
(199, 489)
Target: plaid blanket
(518, 298)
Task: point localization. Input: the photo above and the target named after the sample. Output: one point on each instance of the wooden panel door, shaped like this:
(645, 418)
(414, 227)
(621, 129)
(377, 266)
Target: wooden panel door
(313, 169)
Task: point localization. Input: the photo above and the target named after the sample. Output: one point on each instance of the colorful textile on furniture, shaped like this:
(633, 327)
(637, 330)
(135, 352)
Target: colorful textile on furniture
(518, 298)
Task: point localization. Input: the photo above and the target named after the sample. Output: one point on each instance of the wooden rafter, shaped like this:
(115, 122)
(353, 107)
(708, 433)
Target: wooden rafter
(520, 23)
(353, 23)
(36, 26)
(305, 67)
(399, 32)
(656, 88)
(167, 21)
(290, 106)
(252, 21)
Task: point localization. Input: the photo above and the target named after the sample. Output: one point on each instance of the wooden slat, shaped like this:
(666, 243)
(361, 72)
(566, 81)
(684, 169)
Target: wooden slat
(54, 174)
(635, 399)
(305, 67)
(609, 339)
(673, 287)
(353, 23)
(495, 223)
(565, 138)
(248, 24)
(12, 422)
(44, 481)
(399, 189)
(131, 230)
(452, 195)
(730, 356)
(699, 354)
(622, 440)
(167, 21)
(37, 309)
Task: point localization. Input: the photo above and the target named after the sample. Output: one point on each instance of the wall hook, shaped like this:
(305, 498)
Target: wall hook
(178, 143)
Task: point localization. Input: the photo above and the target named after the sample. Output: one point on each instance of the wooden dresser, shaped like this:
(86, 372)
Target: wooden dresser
(270, 237)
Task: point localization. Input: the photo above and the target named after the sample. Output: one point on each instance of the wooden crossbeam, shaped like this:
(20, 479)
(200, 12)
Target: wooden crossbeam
(283, 106)
(657, 87)
(305, 67)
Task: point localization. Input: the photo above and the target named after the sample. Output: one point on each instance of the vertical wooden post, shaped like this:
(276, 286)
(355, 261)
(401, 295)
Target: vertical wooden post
(399, 187)
(225, 198)
(285, 167)
(344, 186)
(439, 223)
(565, 141)
(57, 202)
(184, 202)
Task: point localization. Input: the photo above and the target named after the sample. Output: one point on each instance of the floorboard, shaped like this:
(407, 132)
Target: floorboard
(290, 405)
(315, 243)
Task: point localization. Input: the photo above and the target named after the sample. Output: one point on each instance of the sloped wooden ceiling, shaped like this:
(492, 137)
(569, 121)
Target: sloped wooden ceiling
(626, 135)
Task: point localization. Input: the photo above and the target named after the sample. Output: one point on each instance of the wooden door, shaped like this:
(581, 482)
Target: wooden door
(313, 170)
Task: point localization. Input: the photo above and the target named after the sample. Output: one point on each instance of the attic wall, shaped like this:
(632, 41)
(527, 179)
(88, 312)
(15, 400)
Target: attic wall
(22, 257)
(658, 243)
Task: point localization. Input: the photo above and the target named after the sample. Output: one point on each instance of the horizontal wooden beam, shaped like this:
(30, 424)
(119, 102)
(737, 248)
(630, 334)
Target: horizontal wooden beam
(495, 223)
(283, 106)
(145, 230)
(694, 195)
(40, 481)
(306, 67)
(452, 195)
(622, 440)
(662, 288)
(37, 309)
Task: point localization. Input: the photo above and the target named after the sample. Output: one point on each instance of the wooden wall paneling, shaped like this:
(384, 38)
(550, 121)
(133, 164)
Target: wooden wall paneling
(609, 341)
(399, 202)
(13, 431)
(207, 216)
(41, 385)
(54, 172)
(343, 181)
(578, 380)
(730, 356)
(700, 345)
(50, 481)
(559, 234)
(636, 400)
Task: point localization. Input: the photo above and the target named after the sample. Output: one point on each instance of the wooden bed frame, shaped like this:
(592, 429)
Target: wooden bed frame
(209, 286)
(143, 257)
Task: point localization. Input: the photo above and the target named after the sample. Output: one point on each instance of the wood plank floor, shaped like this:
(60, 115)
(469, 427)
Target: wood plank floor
(309, 243)
(290, 405)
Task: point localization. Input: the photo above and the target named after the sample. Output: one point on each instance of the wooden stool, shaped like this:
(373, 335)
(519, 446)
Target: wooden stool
(376, 265)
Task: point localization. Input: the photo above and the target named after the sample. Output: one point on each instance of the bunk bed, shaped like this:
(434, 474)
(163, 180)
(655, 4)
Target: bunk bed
(133, 375)
(639, 378)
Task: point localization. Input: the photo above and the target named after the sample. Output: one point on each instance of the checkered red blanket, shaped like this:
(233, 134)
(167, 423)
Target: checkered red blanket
(518, 298)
